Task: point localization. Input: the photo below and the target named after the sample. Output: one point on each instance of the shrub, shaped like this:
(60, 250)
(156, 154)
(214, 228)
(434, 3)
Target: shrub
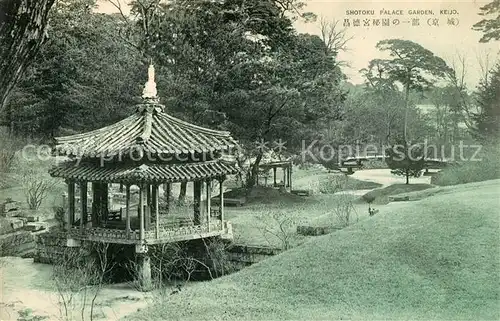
(333, 184)
(471, 171)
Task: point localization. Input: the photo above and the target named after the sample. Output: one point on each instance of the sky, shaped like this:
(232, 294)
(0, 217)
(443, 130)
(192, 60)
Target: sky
(450, 39)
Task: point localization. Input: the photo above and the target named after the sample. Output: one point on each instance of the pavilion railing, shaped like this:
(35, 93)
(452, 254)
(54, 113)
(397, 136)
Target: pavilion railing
(163, 233)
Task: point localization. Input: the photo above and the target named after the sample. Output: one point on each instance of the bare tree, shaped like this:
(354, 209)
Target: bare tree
(70, 276)
(280, 225)
(77, 272)
(334, 37)
(343, 208)
(457, 79)
(36, 185)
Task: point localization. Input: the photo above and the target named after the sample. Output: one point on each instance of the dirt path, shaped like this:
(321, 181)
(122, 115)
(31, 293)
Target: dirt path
(384, 177)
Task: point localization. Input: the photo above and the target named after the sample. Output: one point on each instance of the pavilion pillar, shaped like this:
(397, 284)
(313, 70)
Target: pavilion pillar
(290, 169)
(96, 197)
(142, 207)
(157, 211)
(103, 191)
(274, 176)
(197, 202)
(83, 205)
(167, 191)
(154, 196)
(208, 205)
(127, 209)
(71, 203)
(284, 177)
(221, 201)
(149, 195)
(147, 207)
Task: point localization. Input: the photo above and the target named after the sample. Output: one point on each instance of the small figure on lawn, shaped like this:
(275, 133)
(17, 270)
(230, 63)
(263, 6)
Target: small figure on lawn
(372, 211)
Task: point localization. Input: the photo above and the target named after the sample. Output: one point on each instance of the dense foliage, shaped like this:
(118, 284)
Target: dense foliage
(490, 25)
(487, 119)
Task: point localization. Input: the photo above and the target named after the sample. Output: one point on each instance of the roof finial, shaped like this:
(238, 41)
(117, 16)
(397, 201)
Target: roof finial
(149, 92)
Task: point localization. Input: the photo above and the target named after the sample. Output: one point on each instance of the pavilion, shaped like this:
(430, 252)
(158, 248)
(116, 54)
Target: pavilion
(148, 149)
(287, 167)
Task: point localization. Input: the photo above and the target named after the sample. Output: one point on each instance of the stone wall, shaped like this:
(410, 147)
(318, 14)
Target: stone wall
(48, 247)
(18, 243)
(244, 255)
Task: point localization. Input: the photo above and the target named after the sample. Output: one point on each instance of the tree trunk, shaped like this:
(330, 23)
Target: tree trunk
(254, 171)
(182, 192)
(407, 177)
(407, 97)
(23, 25)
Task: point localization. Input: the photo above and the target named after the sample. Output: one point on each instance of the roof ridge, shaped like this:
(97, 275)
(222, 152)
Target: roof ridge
(96, 131)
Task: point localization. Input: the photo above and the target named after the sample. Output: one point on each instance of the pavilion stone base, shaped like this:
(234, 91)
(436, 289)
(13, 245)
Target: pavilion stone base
(144, 272)
(73, 242)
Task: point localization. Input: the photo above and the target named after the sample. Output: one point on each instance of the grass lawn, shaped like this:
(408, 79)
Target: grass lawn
(381, 195)
(436, 258)
(248, 220)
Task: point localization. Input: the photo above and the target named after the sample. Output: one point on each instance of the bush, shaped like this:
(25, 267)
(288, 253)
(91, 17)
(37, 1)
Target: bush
(471, 171)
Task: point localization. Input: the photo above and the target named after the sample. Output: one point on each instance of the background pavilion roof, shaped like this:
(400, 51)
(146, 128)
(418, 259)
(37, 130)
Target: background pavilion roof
(150, 130)
(134, 173)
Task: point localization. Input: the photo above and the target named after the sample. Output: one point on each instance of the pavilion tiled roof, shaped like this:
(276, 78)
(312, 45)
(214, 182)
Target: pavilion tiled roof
(159, 173)
(149, 130)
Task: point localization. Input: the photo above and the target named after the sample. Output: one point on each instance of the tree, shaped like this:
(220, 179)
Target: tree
(23, 25)
(83, 78)
(489, 27)
(240, 66)
(405, 160)
(448, 113)
(411, 66)
(487, 119)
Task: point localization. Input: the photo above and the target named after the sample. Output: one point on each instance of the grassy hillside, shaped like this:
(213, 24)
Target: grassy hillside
(431, 259)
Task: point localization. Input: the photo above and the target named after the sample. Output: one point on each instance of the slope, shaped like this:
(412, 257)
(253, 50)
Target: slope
(436, 258)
